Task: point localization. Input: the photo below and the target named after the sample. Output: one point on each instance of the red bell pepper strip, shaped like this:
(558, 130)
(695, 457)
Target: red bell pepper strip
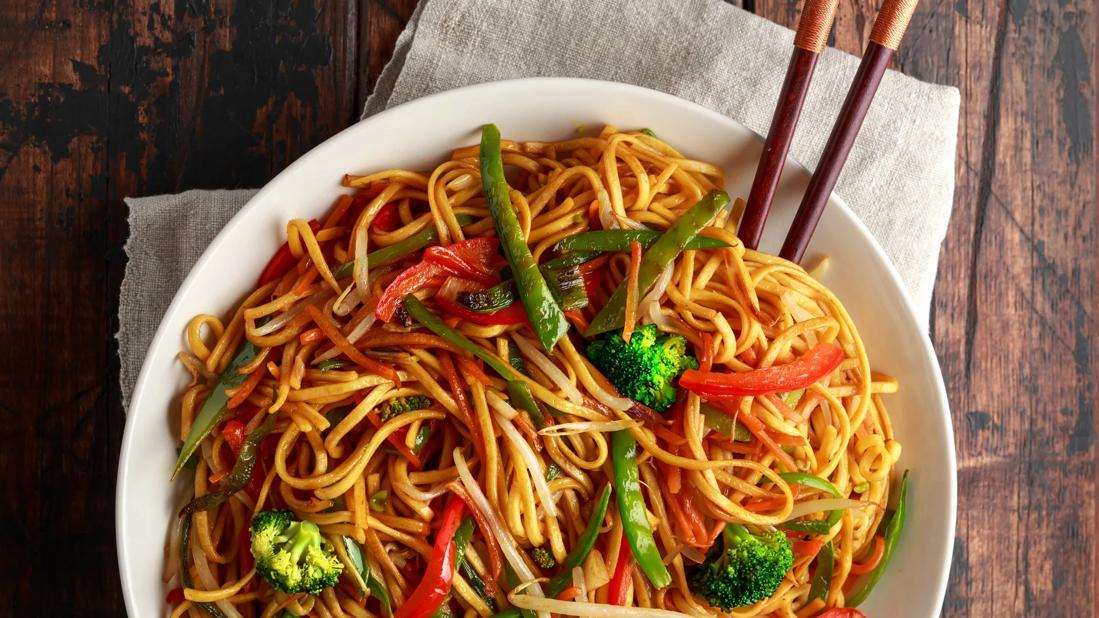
(842, 612)
(474, 258)
(439, 574)
(387, 219)
(397, 441)
(411, 279)
(620, 581)
(175, 596)
(809, 368)
(234, 435)
(283, 260)
(514, 313)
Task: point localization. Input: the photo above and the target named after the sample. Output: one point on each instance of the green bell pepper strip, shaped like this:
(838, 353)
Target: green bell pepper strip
(892, 534)
(521, 398)
(185, 567)
(373, 584)
(662, 253)
(515, 358)
(546, 317)
(724, 424)
(214, 408)
(583, 546)
(398, 250)
(631, 508)
(573, 258)
(812, 526)
(419, 312)
(240, 475)
(566, 284)
(619, 240)
(822, 578)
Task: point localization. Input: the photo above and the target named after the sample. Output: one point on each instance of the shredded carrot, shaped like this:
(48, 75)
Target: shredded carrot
(593, 215)
(495, 557)
(672, 502)
(246, 389)
(749, 356)
(755, 426)
(332, 331)
(273, 369)
(217, 476)
(762, 505)
(785, 410)
(706, 353)
(872, 560)
(631, 291)
(528, 430)
(673, 438)
(306, 280)
(786, 439)
(310, 336)
(719, 527)
(807, 548)
(460, 397)
(740, 448)
(386, 339)
(473, 369)
(577, 319)
(568, 594)
(338, 211)
(694, 517)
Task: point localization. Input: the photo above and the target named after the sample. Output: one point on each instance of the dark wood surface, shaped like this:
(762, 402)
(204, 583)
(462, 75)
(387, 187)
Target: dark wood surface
(100, 99)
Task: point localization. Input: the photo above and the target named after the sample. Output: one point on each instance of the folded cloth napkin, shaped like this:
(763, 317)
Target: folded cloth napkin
(899, 178)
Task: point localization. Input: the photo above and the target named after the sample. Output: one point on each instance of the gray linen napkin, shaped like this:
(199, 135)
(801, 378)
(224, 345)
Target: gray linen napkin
(899, 178)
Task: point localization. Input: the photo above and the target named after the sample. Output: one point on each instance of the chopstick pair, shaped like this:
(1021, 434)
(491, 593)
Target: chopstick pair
(812, 35)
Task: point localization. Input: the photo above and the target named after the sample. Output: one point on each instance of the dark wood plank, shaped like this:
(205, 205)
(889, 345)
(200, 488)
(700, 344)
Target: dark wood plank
(100, 100)
(1014, 316)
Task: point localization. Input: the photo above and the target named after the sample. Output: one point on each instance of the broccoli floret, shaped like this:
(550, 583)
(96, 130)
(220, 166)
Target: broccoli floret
(400, 405)
(742, 568)
(292, 555)
(543, 558)
(644, 369)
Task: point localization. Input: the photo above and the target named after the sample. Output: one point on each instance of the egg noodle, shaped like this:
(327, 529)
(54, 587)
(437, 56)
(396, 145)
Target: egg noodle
(324, 365)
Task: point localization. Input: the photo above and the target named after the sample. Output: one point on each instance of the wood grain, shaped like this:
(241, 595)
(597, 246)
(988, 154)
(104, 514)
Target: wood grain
(100, 99)
(1014, 311)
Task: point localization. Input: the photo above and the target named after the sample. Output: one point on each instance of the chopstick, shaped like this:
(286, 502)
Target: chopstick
(886, 35)
(812, 35)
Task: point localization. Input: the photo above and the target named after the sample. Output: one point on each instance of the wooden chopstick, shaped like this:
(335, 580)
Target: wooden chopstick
(885, 37)
(812, 35)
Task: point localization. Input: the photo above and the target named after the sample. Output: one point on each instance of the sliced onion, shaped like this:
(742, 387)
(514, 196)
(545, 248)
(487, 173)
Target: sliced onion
(284, 318)
(660, 286)
(578, 581)
(799, 314)
(802, 509)
(202, 567)
(171, 552)
(568, 429)
(693, 554)
(411, 491)
(503, 537)
(498, 404)
(549, 368)
(534, 467)
(347, 300)
(577, 608)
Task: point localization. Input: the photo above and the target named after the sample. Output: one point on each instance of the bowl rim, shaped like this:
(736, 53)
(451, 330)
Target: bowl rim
(122, 484)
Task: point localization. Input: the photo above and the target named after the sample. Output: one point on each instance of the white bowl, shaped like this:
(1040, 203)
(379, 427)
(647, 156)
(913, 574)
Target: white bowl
(419, 134)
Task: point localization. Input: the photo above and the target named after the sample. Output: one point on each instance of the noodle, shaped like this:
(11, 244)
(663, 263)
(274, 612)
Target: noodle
(346, 457)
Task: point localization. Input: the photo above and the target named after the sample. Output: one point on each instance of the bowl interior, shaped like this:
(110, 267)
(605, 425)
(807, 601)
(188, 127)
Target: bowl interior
(421, 133)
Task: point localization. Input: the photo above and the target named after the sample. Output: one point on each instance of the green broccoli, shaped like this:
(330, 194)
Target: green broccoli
(644, 369)
(543, 558)
(400, 405)
(292, 555)
(742, 568)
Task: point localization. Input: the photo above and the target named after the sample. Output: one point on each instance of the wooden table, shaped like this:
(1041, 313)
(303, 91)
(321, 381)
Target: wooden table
(105, 99)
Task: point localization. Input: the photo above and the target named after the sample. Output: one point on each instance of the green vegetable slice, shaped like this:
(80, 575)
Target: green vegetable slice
(892, 534)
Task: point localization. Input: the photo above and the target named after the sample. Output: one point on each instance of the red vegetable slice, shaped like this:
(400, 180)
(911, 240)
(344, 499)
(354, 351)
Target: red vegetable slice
(283, 260)
(439, 574)
(474, 258)
(447, 298)
(811, 367)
